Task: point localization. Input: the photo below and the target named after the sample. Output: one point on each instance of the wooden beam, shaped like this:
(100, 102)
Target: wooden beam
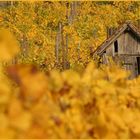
(137, 55)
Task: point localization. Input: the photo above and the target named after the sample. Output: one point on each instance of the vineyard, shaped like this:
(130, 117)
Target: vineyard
(50, 86)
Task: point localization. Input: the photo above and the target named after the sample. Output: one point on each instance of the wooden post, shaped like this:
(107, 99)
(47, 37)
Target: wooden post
(138, 23)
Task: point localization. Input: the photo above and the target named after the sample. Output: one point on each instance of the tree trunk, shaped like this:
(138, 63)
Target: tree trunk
(63, 50)
(66, 53)
(58, 43)
(24, 46)
(61, 40)
(57, 48)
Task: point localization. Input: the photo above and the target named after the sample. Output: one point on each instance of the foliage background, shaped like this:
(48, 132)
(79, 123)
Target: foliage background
(63, 34)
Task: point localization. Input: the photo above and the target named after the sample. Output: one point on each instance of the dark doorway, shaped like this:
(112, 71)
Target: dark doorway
(138, 64)
(116, 46)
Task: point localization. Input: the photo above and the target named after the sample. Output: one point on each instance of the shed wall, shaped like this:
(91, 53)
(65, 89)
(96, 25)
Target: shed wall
(128, 51)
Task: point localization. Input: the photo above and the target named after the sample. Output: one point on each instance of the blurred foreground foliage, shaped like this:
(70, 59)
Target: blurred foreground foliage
(96, 103)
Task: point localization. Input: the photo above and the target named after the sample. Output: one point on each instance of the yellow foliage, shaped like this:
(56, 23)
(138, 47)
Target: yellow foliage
(8, 45)
(93, 103)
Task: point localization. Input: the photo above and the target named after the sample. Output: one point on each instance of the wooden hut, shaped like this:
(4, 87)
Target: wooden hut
(123, 45)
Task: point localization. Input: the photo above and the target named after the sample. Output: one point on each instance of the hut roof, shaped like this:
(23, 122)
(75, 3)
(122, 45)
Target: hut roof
(128, 26)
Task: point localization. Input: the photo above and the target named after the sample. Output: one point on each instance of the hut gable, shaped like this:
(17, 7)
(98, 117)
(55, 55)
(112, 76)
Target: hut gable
(128, 26)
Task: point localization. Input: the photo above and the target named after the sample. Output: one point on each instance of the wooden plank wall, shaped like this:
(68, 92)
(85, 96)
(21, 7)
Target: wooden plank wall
(128, 51)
